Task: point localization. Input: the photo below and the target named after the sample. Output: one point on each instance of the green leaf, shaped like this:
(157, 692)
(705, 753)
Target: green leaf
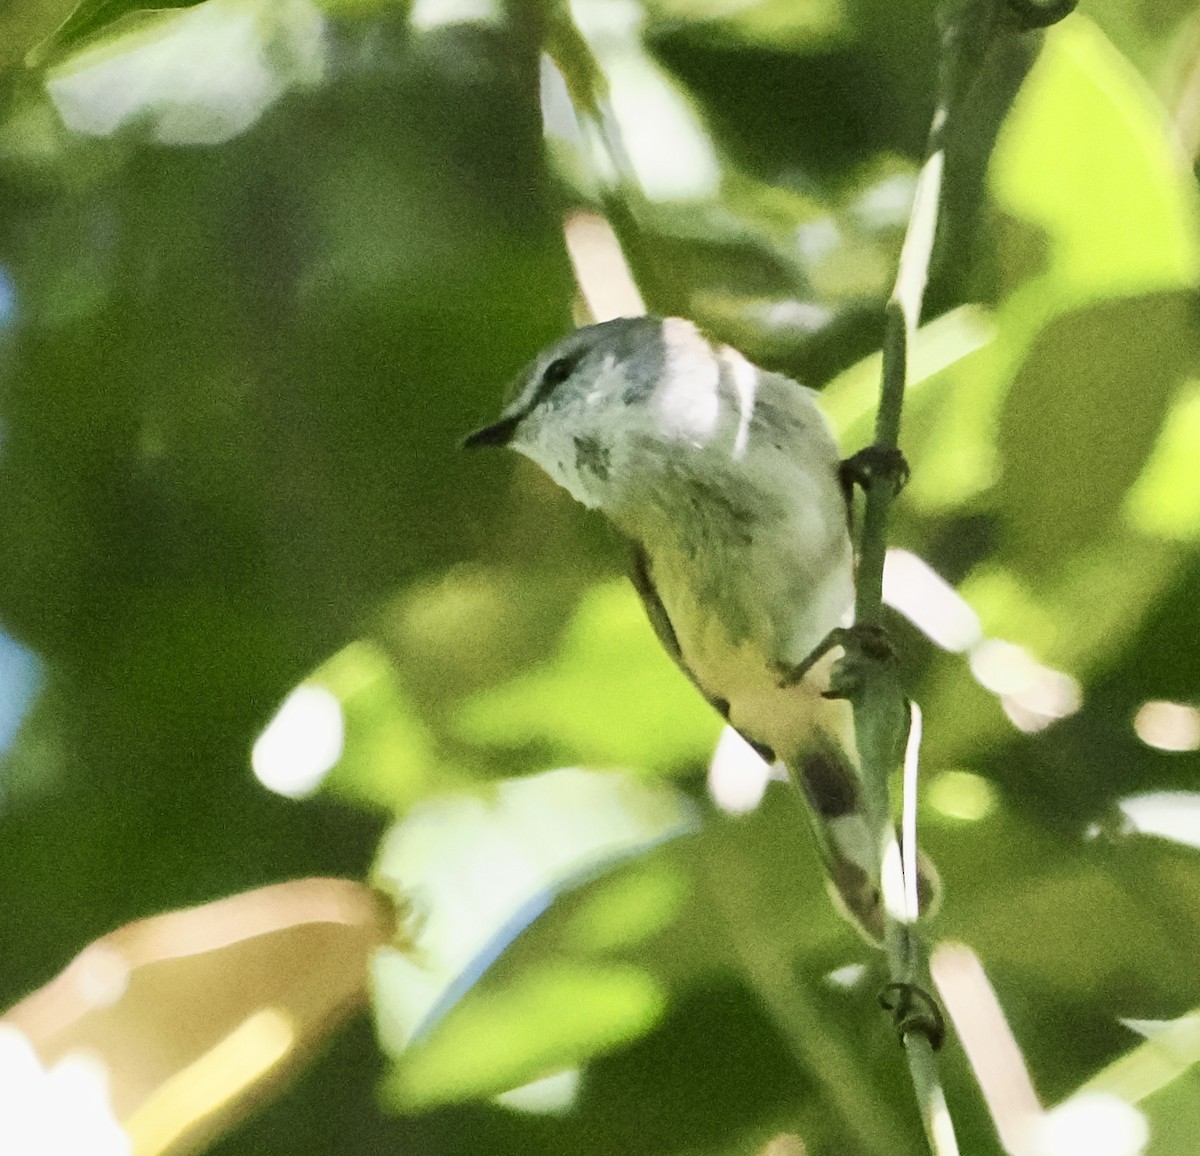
(24, 24)
(611, 695)
(471, 871)
(1081, 418)
(784, 25)
(389, 756)
(1163, 502)
(1096, 336)
(544, 1020)
(940, 406)
(1170, 1050)
(266, 47)
(1161, 1076)
(93, 16)
(626, 910)
(1087, 157)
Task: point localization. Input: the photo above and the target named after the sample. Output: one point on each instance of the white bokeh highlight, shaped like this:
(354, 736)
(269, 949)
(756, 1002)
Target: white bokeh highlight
(1089, 1124)
(55, 1111)
(301, 744)
(738, 775)
(1172, 815)
(1168, 726)
(929, 602)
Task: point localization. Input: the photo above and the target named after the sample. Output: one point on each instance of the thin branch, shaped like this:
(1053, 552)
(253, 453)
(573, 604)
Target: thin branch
(970, 32)
(619, 190)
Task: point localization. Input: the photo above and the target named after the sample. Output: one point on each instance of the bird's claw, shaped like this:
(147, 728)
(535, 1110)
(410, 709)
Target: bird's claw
(914, 1010)
(871, 462)
(864, 642)
(791, 675)
(867, 645)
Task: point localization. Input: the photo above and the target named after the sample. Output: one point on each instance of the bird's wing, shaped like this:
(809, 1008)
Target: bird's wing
(643, 583)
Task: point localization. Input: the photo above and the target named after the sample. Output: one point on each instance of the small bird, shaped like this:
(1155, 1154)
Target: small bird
(727, 482)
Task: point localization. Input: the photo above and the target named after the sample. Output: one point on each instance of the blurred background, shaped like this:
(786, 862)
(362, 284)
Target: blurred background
(267, 637)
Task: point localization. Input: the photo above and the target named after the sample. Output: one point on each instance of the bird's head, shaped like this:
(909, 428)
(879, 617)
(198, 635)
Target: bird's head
(608, 401)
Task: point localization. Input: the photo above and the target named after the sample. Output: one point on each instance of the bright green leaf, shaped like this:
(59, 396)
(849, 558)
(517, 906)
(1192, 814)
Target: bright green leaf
(1096, 337)
(1081, 417)
(627, 909)
(471, 871)
(544, 1020)
(389, 756)
(1088, 157)
(1165, 501)
(1162, 1076)
(779, 24)
(611, 695)
(26, 23)
(265, 47)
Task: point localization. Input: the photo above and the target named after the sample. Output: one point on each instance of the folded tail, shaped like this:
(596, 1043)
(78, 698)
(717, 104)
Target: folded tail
(829, 782)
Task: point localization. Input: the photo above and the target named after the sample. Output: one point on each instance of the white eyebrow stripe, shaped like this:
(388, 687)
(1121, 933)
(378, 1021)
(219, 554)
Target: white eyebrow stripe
(742, 376)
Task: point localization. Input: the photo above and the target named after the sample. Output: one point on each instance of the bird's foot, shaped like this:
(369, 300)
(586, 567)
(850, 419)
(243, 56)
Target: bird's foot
(864, 642)
(792, 675)
(868, 648)
(913, 1009)
(872, 462)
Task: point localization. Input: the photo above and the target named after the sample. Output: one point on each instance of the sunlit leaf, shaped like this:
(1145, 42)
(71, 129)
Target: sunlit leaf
(1161, 1076)
(1119, 215)
(611, 695)
(542, 1021)
(1163, 502)
(93, 16)
(941, 387)
(266, 47)
(626, 910)
(471, 872)
(1097, 327)
(778, 24)
(388, 755)
(1111, 370)
(26, 23)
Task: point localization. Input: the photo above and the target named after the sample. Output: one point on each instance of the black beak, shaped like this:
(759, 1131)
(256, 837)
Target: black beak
(497, 434)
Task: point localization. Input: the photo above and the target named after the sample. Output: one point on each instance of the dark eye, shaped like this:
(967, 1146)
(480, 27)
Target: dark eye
(553, 376)
(558, 371)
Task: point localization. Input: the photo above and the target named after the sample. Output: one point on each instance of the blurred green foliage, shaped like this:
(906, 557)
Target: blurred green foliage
(262, 265)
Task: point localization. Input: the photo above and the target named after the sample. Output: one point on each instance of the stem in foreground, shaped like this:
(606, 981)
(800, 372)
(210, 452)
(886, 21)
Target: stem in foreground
(970, 33)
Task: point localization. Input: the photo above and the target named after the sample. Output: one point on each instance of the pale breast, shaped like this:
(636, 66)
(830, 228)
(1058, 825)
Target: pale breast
(746, 540)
